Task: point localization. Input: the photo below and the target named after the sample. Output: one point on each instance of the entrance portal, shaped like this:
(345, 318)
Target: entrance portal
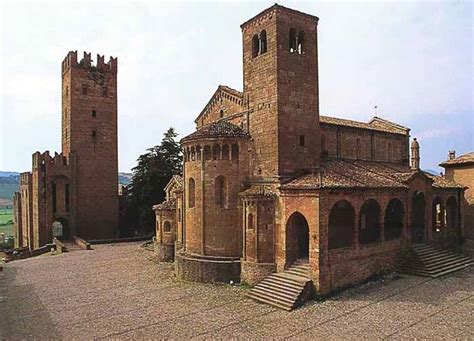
(60, 229)
(418, 214)
(297, 238)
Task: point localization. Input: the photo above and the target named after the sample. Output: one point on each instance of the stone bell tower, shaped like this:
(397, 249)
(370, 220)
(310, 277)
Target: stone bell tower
(280, 60)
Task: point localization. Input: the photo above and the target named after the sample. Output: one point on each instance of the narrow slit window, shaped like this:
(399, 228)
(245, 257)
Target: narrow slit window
(94, 113)
(302, 141)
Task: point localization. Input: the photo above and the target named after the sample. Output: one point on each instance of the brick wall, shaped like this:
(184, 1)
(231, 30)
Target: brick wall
(464, 174)
(89, 130)
(364, 144)
(213, 228)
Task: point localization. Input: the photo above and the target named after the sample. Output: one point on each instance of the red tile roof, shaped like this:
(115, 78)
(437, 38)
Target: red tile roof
(376, 123)
(337, 173)
(461, 160)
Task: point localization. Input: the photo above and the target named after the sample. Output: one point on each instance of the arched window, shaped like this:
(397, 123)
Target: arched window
(255, 46)
(167, 226)
(216, 152)
(292, 40)
(191, 193)
(179, 215)
(341, 225)
(250, 223)
(394, 216)
(300, 42)
(198, 153)
(263, 42)
(221, 191)
(438, 214)
(225, 152)
(451, 213)
(207, 152)
(235, 152)
(369, 222)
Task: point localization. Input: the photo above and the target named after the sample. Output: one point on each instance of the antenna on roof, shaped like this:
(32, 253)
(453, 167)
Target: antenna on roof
(376, 112)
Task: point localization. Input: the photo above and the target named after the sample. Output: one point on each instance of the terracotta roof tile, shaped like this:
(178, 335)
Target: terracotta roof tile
(217, 129)
(167, 205)
(463, 159)
(376, 123)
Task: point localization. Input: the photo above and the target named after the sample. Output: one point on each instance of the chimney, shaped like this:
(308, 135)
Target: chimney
(452, 155)
(415, 155)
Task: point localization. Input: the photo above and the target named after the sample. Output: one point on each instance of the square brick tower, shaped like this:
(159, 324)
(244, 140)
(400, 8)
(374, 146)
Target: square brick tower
(280, 60)
(89, 132)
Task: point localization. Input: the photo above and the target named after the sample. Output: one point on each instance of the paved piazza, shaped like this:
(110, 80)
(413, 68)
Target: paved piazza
(118, 292)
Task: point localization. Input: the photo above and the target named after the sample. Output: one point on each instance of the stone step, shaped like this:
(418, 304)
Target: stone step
(425, 260)
(437, 267)
(285, 296)
(290, 278)
(440, 273)
(298, 272)
(283, 304)
(283, 281)
(437, 262)
(284, 289)
(279, 288)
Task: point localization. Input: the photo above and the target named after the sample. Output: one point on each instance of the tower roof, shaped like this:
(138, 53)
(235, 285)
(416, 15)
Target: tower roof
(279, 7)
(216, 130)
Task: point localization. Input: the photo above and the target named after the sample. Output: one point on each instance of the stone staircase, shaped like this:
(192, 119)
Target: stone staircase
(286, 290)
(425, 260)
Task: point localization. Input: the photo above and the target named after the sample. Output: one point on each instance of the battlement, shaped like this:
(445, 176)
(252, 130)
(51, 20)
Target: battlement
(43, 160)
(25, 178)
(86, 62)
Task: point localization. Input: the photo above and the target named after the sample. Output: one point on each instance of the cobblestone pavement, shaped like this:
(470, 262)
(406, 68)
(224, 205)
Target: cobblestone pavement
(118, 292)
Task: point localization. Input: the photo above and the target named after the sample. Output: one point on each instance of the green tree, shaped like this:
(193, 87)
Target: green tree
(152, 173)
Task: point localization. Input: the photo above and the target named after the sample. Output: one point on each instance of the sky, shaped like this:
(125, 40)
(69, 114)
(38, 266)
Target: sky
(413, 60)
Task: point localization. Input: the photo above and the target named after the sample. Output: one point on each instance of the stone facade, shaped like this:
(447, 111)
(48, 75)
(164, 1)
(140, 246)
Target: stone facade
(75, 192)
(461, 170)
(268, 181)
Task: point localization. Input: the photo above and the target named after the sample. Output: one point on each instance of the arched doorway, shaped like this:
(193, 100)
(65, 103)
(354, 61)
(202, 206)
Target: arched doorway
(297, 238)
(418, 214)
(61, 229)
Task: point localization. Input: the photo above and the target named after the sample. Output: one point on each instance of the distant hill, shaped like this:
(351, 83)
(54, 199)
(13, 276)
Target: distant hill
(9, 185)
(10, 182)
(8, 174)
(125, 178)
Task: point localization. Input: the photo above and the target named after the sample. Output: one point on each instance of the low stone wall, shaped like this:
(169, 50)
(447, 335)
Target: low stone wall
(252, 273)
(60, 247)
(349, 267)
(164, 252)
(120, 240)
(82, 243)
(199, 268)
(22, 253)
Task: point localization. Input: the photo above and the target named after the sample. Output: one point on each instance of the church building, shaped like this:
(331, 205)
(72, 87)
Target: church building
(270, 184)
